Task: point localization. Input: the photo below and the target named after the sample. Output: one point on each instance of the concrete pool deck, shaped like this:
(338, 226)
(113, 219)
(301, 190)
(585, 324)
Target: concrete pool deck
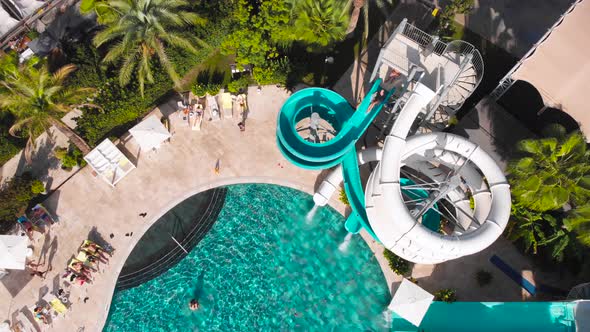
(86, 204)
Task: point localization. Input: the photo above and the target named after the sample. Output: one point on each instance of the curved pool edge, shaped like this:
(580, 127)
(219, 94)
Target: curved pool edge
(334, 203)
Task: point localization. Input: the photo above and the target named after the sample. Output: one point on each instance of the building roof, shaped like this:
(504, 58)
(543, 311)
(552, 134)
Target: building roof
(560, 67)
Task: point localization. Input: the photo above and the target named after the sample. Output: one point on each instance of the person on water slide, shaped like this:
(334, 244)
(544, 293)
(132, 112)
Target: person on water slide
(393, 81)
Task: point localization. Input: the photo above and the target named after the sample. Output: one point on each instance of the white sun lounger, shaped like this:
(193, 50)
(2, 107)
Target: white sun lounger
(213, 108)
(225, 100)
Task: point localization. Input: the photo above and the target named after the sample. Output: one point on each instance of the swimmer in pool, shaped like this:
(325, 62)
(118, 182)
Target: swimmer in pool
(194, 305)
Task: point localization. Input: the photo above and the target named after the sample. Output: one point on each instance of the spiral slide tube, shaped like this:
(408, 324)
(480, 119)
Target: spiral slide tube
(396, 227)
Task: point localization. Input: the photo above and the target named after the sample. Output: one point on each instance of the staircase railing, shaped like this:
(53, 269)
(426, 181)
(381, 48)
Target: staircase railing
(424, 39)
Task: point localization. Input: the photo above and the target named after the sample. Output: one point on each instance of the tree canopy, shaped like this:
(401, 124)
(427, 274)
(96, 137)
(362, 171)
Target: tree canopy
(142, 29)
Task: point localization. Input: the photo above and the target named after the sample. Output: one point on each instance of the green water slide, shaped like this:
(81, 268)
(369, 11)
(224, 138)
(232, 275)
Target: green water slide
(349, 126)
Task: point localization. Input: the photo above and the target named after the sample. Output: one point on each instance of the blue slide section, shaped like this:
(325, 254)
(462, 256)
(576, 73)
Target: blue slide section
(349, 125)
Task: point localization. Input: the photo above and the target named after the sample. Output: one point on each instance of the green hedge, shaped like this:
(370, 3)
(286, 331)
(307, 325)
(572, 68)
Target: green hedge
(397, 264)
(9, 145)
(14, 199)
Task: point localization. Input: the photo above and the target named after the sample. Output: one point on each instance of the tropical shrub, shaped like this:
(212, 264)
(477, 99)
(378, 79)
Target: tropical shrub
(38, 100)
(343, 197)
(551, 189)
(37, 187)
(554, 171)
(15, 195)
(274, 72)
(70, 157)
(397, 264)
(483, 278)
(201, 89)
(120, 108)
(446, 295)
(239, 85)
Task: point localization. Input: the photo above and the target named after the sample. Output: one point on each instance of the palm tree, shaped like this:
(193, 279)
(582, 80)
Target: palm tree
(142, 29)
(550, 189)
(38, 99)
(318, 24)
(104, 13)
(357, 6)
(555, 171)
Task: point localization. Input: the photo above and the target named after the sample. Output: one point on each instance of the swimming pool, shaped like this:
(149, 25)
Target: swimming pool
(263, 266)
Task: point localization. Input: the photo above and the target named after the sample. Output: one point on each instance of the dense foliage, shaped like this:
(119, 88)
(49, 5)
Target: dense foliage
(9, 145)
(274, 72)
(396, 263)
(551, 189)
(120, 108)
(15, 195)
(239, 85)
(37, 187)
(253, 41)
(319, 24)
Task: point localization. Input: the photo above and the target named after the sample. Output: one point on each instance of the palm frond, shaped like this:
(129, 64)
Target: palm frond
(60, 75)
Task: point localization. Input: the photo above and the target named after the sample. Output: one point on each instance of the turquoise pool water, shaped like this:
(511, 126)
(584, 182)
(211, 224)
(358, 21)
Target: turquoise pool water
(263, 267)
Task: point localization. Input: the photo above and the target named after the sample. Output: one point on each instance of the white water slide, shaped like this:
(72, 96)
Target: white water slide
(457, 179)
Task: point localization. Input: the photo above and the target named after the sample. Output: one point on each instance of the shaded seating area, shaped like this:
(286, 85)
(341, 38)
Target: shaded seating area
(150, 133)
(109, 162)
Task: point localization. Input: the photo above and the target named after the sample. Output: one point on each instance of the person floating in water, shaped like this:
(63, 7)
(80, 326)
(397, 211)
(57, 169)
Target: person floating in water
(193, 305)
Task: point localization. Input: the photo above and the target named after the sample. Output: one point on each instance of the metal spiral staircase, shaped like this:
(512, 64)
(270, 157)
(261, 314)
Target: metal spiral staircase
(453, 70)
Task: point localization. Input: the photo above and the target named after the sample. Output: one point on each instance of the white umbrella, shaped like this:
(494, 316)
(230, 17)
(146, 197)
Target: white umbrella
(150, 133)
(410, 302)
(13, 252)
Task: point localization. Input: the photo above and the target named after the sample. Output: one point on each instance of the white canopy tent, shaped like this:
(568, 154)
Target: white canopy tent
(411, 302)
(150, 133)
(13, 252)
(108, 162)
